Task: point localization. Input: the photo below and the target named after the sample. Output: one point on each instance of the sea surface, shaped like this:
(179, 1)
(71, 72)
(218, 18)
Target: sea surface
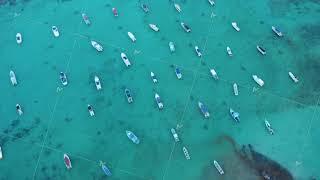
(56, 121)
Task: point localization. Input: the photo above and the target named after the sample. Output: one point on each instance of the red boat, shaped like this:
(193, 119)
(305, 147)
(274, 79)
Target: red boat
(115, 12)
(67, 161)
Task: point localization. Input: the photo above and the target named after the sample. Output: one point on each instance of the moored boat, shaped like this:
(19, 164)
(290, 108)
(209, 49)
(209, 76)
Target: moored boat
(235, 26)
(261, 50)
(19, 38)
(97, 46)
(67, 161)
(158, 101)
(13, 78)
(129, 97)
(258, 80)
(132, 137)
(175, 135)
(85, 19)
(277, 31)
(204, 110)
(55, 31)
(185, 27)
(186, 153)
(105, 169)
(154, 27)
(132, 37)
(218, 167)
(125, 59)
(234, 115)
(293, 77)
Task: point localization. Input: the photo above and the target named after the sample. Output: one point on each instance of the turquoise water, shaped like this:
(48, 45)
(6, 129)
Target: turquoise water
(57, 122)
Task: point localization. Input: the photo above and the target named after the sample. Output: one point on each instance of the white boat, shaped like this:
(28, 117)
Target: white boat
(235, 89)
(171, 46)
(178, 73)
(19, 38)
(175, 135)
(55, 31)
(19, 109)
(67, 161)
(212, 3)
(63, 78)
(125, 59)
(185, 27)
(277, 31)
(229, 51)
(129, 97)
(235, 26)
(154, 27)
(214, 74)
(132, 37)
(153, 77)
(158, 101)
(268, 126)
(13, 78)
(0, 153)
(90, 109)
(258, 80)
(293, 77)
(177, 6)
(218, 167)
(97, 46)
(97, 82)
(85, 19)
(261, 50)
(196, 48)
(186, 153)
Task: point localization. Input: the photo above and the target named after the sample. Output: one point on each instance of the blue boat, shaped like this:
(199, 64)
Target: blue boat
(133, 137)
(105, 169)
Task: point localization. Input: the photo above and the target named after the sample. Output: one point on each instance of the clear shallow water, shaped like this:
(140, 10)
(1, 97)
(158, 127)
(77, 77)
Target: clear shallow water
(57, 122)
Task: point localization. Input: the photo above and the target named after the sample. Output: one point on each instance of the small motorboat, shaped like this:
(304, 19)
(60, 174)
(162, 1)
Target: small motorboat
(277, 31)
(13, 78)
(268, 126)
(115, 12)
(177, 6)
(158, 101)
(186, 153)
(235, 89)
(261, 50)
(171, 46)
(178, 73)
(185, 27)
(86, 19)
(145, 8)
(196, 48)
(154, 27)
(105, 169)
(204, 110)
(63, 78)
(229, 51)
(90, 109)
(259, 81)
(55, 31)
(19, 109)
(218, 167)
(128, 95)
(97, 82)
(175, 135)
(235, 26)
(212, 3)
(97, 46)
(132, 37)
(293, 77)
(67, 161)
(153, 77)
(125, 59)
(0, 153)
(214, 74)
(132, 137)
(235, 115)
(19, 38)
